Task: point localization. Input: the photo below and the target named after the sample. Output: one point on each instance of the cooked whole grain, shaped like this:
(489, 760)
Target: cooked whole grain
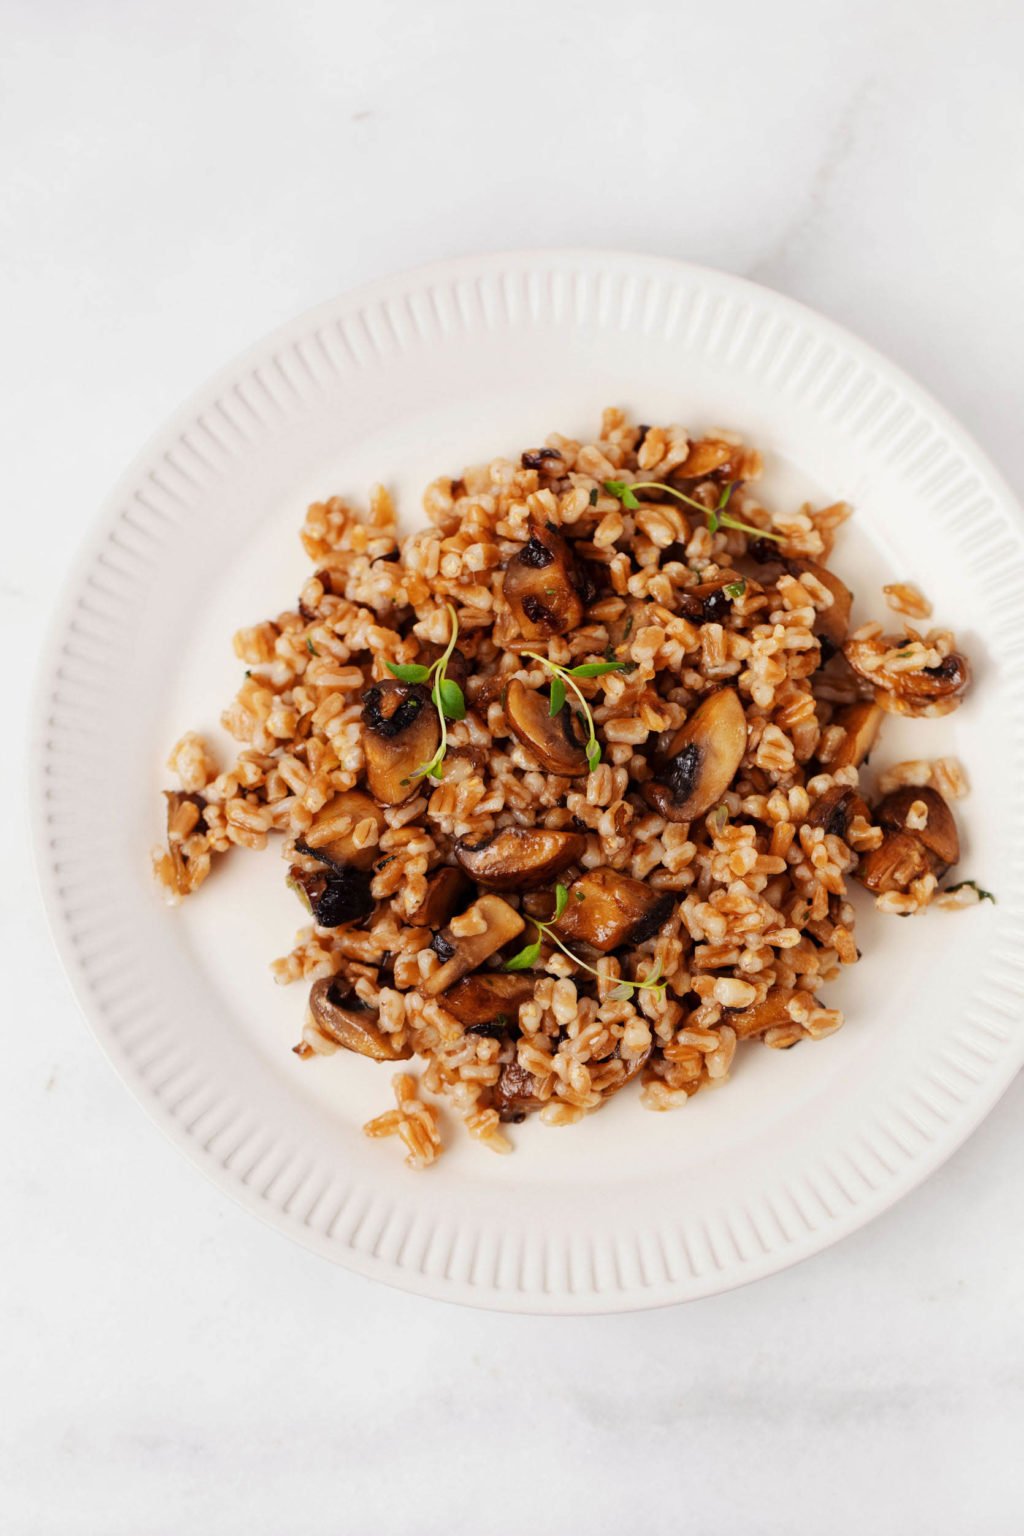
(679, 883)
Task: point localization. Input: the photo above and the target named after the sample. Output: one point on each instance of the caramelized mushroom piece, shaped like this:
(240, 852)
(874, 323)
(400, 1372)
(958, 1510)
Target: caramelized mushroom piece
(923, 691)
(708, 603)
(518, 857)
(342, 1019)
(447, 887)
(330, 837)
(498, 923)
(861, 722)
(702, 759)
(606, 909)
(762, 1016)
(515, 1094)
(832, 622)
(553, 740)
(401, 732)
(334, 896)
(836, 808)
(939, 834)
(488, 997)
(909, 851)
(542, 586)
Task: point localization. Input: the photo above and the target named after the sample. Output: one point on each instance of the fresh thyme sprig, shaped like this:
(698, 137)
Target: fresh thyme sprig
(564, 677)
(717, 516)
(448, 697)
(531, 954)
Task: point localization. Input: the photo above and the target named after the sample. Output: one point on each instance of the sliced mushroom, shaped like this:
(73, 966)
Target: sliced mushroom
(836, 808)
(709, 603)
(708, 456)
(334, 897)
(895, 864)
(401, 732)
(446, 889)
(861, 722)
(766, 1015)
(341, 1019)
(553, 740)
(607, 908)
(542, 586)
(518, 857)
(488, 997)
(498, 923)
(702, 759)
(939, 834)
(515, 1094)
(832, 622)
(923, 691)
(331, 836)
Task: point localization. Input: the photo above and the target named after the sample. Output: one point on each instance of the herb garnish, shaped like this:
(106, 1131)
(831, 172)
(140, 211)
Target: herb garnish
(983, 895)
(447, 696)
(717, 516)
(531, 954)
(563, 677)
(735, 589)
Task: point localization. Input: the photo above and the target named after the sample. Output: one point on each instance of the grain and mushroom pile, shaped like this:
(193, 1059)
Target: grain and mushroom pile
(570, 780)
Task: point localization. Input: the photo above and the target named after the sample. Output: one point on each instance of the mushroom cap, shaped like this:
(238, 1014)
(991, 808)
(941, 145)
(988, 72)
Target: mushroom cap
(542, 586)
(702, 759)
(401, 732)
(330, 837)
(836, 808)
(553, 740)
(900, 859)
(487, 996)
(518, 857)
(607, 908)
(939, 834)
(447, 887)
(353, 1027)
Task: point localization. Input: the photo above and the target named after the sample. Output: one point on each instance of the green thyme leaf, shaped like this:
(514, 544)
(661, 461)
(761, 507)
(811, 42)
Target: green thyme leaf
(620, 993)
(561, 901)
(409, 672)
(557, 696)
(723, 500)
(735, 589)
(526, 957)
(623, 492)
(593, 753)
(599, 668)
(311, 648)
(983, 895)
(451, 698)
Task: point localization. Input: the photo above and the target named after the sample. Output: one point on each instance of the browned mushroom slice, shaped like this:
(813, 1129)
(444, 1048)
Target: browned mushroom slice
(836, 808)
(708, 456)
(518, 857)
(702, 759)
(861, 722)
(488, 997)
(542, 586)
(929, 691)
(832, 622)
(553, 740)
(334, 896)
(331, 836)
(766, 1015)
(446, 889)
(939, 834)
(515, 1094)
(895, 864)
(341, 1019)
(400, 734)
(606, 908)
(709, 603)
(497, 923)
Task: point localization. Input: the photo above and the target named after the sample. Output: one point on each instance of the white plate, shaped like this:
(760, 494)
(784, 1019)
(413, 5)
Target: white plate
(412, 377)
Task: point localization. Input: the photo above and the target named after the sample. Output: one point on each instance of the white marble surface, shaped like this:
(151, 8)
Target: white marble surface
(176, 179)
